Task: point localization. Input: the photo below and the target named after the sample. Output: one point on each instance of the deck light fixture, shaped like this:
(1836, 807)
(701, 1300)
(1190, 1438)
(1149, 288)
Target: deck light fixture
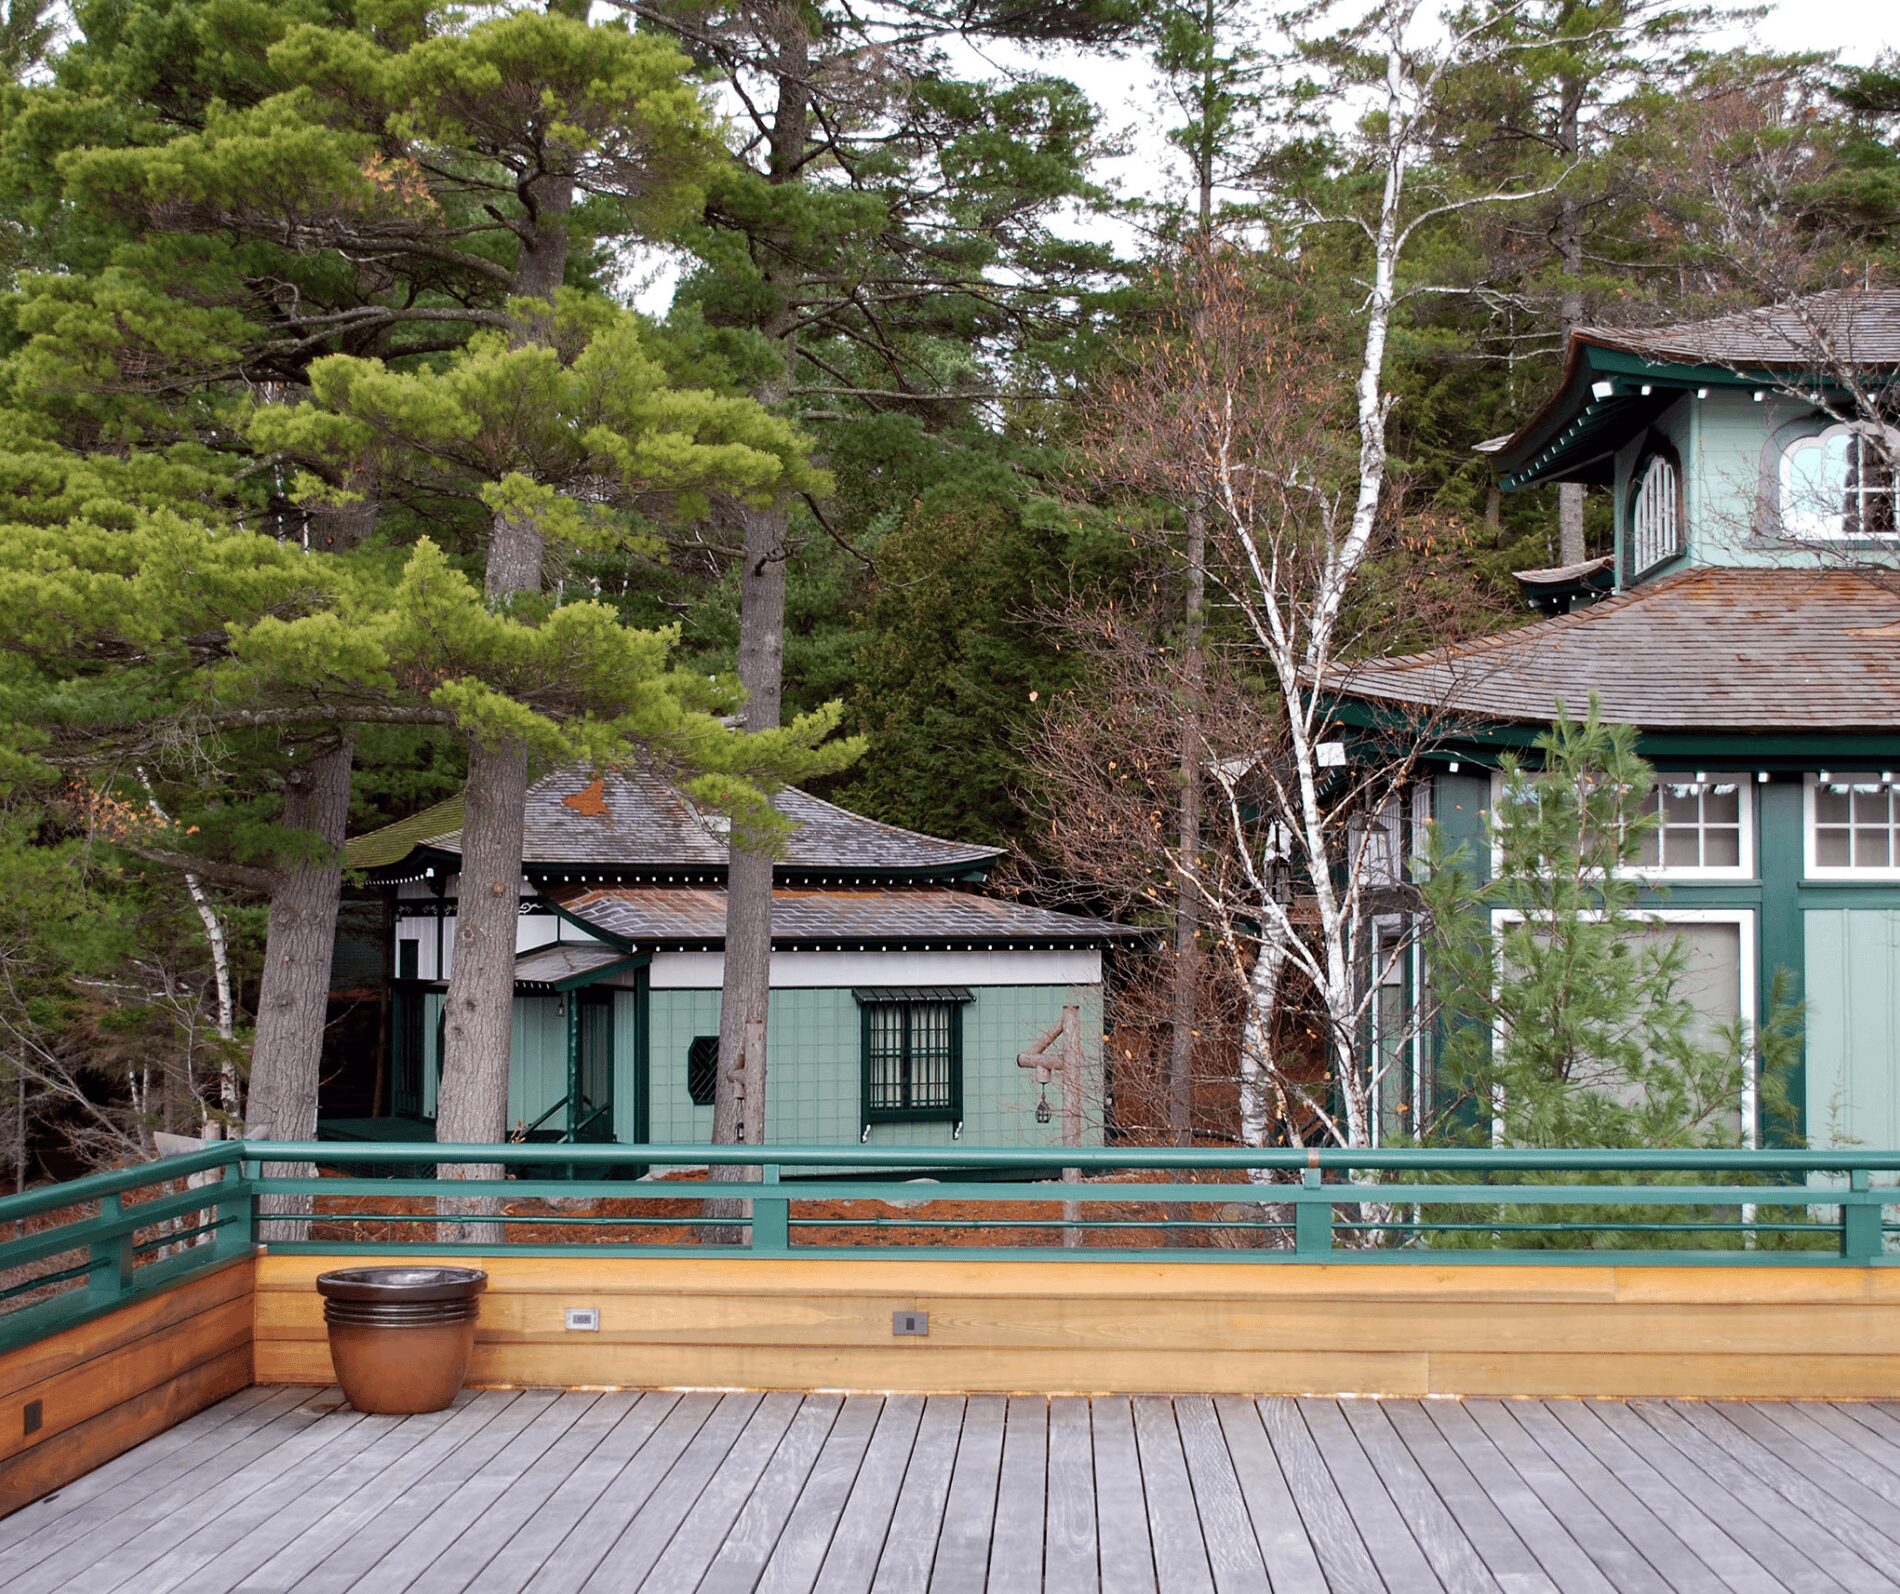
(1702, 392)
(1603, 390)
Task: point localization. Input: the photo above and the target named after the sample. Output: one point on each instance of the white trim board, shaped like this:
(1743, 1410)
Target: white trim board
(702, 971)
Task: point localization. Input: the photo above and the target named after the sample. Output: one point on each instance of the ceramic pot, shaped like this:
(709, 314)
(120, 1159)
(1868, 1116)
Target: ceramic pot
(400, 1336)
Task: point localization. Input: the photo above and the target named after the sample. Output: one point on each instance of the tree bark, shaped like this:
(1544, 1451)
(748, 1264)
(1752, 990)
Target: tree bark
(1570, 547)
(746, 980)
(293, 996)
(478, 1011)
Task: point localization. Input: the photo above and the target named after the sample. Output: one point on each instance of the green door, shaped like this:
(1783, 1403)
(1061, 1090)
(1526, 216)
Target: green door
(591, 1066)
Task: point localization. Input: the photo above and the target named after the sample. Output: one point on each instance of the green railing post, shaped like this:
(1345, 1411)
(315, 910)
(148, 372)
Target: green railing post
(1861, 1236)
(109, 1272)
(771, 1218)
(236, 1211)
(1312, 1216)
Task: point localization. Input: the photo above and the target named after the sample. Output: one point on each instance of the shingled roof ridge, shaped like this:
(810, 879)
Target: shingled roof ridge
(1494, 641)
(897, 830)
(1787, 324)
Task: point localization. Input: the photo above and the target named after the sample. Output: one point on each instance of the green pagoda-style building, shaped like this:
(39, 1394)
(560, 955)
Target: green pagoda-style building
(1747, 622)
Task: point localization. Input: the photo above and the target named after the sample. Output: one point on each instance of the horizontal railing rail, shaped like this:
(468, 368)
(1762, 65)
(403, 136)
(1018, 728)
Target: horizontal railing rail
(85, 1246)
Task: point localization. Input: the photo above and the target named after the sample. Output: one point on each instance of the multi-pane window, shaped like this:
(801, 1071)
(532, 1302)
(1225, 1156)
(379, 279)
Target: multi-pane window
(1841, 483)
(1700, 824)
(1655, 515)
(1856, 824)
(913, 1063)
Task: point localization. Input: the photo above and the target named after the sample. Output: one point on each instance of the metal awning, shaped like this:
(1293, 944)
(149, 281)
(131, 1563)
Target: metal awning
(566, 965)
(912, 993)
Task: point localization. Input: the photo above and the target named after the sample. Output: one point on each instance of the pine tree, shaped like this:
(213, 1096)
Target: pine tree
(1562, 1018)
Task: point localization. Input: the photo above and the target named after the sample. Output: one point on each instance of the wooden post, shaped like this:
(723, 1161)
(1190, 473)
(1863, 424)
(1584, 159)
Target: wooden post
(1058, 1055)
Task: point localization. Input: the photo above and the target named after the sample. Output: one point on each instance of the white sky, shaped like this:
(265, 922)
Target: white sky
(1126, 93)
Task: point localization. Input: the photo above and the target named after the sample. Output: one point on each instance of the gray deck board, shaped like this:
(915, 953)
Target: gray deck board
(1791, 1473)
(1180, 1549)
(1342, 1553)
(1121, 1504)
(814, 1520)
(306, 1500)
(1658, 1426)
(1390, 1536)
(686, 1559)
(551, 1521)
(573, 1561)
(1292, 1567)
(742, 1557)
(911, 1545)
(969, 1514)
(857, 1543)
(1453, 1556)
(667, 1493)
(645, 1539)
(1601, 1538)
(1070, 1564)
(349, 1524)
(1022, 1493)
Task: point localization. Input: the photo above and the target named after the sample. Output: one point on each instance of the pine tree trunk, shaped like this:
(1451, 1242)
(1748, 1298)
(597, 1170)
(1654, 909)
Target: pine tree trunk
(739, 1109)
(745, 995)
(1570, 547)
(478, 1011)
(293, 997)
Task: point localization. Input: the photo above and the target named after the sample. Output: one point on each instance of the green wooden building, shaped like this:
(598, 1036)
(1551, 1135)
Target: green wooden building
(1747, 622)
(902, 990)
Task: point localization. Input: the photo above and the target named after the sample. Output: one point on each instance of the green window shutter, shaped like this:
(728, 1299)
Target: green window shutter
(702, 1069)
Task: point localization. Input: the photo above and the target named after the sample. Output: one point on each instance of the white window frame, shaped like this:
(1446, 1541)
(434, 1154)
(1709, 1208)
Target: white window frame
(1788, 523)
(1658, 490)
(1745, 998)
(1744, 869)
(1812, 870)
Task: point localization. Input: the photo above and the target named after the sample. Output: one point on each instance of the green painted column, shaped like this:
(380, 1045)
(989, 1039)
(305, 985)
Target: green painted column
(1781, 942)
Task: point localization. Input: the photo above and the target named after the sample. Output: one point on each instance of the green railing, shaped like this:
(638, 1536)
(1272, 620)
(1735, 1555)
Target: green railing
(84, 1247)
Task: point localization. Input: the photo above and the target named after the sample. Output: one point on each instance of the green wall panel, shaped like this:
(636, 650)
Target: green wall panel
(1853, 993)
(814, 1069)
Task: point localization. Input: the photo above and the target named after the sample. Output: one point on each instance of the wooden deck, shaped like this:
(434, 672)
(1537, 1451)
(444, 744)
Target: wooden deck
(281, 1489)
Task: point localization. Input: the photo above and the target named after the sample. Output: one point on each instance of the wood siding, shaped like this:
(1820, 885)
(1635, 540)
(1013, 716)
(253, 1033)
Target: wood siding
(116, 1381)
(1091, 1328)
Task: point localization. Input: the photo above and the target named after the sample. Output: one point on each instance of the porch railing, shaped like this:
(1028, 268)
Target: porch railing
(81, 1248)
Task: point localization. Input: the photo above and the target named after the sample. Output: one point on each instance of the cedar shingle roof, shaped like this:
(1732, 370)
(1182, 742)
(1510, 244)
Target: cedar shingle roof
(636, 819)
(1706, 649)
(687, 915)
(1860, 325)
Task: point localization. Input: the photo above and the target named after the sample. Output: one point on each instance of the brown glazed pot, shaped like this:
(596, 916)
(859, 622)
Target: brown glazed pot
(400, 1336)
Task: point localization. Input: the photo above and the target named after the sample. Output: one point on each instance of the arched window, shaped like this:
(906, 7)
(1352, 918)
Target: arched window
(1655, 523)
(1841, 482)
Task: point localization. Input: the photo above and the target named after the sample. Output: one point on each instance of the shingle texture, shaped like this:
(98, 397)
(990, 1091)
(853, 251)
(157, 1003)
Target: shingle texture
(1855, 326)
(549, 965)
(669, 915)
(638, 819)
(1708, 649)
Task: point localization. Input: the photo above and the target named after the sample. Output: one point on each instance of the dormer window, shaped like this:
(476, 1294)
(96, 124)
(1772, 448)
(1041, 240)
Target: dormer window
(1841, 482)
(1656, 517)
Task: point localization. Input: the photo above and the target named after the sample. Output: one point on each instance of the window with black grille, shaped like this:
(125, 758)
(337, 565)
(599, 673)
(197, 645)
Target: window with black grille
(702, 1069)
(913, 1059)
